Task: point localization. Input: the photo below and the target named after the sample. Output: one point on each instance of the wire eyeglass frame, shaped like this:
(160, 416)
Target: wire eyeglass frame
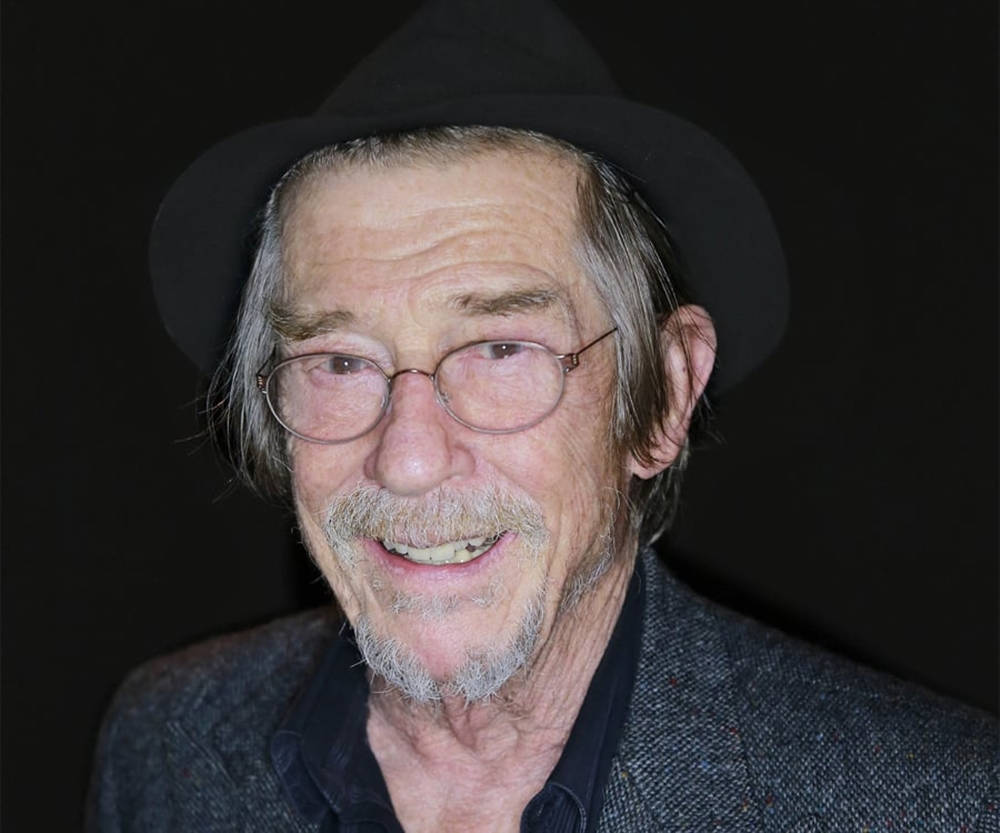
(567, 361)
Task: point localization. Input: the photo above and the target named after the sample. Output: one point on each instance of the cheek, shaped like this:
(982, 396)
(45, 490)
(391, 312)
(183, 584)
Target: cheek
(567, 465)
(320, 471)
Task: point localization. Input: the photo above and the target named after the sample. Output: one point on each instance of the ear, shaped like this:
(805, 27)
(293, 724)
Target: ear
(688, 343)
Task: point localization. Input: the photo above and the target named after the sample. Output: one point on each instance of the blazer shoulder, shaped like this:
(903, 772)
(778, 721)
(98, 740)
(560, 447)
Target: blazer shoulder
(198, 723)
(819, 728)
(736, 726)
(778, 673)
(216, 675)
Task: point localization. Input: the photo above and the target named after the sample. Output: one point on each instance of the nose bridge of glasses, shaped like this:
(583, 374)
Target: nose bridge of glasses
(431, 376)
(417, 370)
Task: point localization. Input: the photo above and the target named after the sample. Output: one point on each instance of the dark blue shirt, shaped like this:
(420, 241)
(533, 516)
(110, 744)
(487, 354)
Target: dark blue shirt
(323, 760)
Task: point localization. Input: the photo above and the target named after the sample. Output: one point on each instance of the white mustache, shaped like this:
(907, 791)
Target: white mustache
(443, 516)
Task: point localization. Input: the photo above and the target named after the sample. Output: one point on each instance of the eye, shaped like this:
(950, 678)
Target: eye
(501, 349)
(335, 364)
(343, 365)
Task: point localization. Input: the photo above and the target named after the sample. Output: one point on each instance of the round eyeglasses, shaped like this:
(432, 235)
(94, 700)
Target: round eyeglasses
(496, 387)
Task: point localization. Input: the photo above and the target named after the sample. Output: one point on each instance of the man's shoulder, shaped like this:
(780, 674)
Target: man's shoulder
(850, 743)
(789, 682)
(263, 666)
(199, 723)
(777, 673)
(799, 731)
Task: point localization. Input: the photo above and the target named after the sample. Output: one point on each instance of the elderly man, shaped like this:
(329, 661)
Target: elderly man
(467, 353)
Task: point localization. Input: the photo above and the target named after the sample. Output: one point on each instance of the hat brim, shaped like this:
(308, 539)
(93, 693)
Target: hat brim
(202, 238)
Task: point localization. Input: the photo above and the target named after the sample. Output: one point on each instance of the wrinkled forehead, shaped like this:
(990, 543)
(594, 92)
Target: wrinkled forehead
(436, 150)
(392, 188)
(490, 210)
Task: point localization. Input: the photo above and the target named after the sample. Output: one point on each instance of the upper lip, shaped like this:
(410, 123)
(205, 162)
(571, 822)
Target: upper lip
(484, 537)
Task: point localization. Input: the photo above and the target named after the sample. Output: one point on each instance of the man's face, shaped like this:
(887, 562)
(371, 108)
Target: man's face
(401, 266)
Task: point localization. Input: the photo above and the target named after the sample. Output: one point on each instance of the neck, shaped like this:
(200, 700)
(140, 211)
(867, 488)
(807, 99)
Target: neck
(503, 749)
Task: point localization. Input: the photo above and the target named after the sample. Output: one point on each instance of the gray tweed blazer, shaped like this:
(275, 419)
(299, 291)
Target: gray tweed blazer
(732, 727)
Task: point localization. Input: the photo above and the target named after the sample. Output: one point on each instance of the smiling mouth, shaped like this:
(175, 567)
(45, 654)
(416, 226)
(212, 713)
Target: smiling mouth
(452, 552)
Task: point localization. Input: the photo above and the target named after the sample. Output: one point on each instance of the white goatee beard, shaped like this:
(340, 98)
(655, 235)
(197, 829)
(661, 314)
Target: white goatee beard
(478, 679)
(446, 515)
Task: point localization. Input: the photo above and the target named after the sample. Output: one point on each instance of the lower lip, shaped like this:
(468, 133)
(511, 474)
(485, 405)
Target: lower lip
(401, 566)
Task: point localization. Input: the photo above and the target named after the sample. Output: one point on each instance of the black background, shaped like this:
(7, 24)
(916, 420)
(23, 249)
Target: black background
(853, 499)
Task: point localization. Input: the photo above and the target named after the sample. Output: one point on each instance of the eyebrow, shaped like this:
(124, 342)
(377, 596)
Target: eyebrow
(506, 303)
(292, 325)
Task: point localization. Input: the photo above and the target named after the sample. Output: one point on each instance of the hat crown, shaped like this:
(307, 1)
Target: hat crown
(450, 49)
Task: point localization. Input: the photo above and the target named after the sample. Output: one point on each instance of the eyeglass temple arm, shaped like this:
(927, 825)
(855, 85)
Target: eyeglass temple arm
(264, 374)
(571, 360)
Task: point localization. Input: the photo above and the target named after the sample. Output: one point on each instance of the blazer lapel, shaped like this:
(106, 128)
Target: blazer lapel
(681, 754)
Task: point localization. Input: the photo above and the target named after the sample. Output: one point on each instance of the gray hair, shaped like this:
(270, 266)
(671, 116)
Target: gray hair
(622, 245)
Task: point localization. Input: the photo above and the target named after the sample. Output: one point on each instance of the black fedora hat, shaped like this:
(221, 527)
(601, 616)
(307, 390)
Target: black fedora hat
(517, 64)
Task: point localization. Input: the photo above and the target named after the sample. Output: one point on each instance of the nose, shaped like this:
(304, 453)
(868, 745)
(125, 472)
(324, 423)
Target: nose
(418, 446)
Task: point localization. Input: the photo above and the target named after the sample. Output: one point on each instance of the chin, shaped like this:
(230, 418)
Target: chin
(428, 661)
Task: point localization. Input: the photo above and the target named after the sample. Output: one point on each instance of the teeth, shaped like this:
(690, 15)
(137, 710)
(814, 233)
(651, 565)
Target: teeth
(453, 552)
